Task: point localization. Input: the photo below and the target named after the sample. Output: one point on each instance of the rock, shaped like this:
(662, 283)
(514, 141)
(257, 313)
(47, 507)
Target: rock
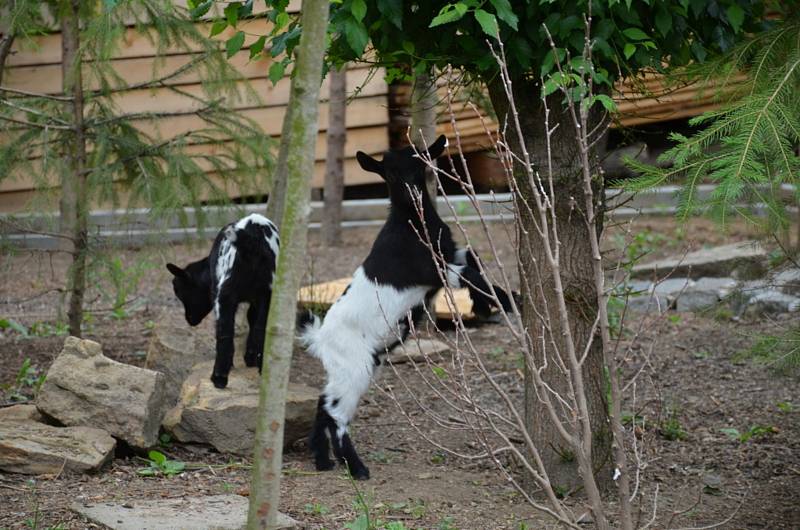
(173, 351)
(672, 287)
(771, 301)
(743, 260)
(226, 418)
(722, 287)
(648, 303)
(417, 351)
(788, 281)
(35, 448)
(23, 412)
(217, 512)
(696, 300)
(85, 388)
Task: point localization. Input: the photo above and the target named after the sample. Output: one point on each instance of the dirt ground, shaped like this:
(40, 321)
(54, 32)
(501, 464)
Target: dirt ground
(692, 384)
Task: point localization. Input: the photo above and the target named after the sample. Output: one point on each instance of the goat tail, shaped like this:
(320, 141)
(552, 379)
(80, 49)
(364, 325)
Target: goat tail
(308, 325)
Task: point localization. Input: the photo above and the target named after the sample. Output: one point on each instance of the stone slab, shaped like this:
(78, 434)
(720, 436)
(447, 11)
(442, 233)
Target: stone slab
(743, 260)
(36, 449)
(22, 412)
(226, 418)
(213, 512)
(86, 388)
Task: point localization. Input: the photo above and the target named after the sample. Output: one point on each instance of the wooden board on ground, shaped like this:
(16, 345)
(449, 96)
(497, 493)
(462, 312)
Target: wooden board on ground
(325, 294)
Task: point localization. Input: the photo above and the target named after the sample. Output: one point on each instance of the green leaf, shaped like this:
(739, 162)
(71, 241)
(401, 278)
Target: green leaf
(356, 35)
(635, 34)
(232, 13)
(440, 372)
(8, 323)
(550, 86)
(157, 457)
(201, 9)
(276, 71)
(359, 9)
(258, 46)
(505, 12)
(146, 472)
(663, 21)
(218, 27)
(392, 10)
(408, 47)
(449, 13)
(629, 50)
(731, 433)
(488, 22)
(735, 16)
(606, 101)
(281, 20)
(234, 44)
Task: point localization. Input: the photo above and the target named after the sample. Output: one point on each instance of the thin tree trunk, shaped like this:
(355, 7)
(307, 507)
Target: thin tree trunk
(423, 120)
(277, 192)
(6, 39)
(74, 215)
(334, 165)
(538, 288)
(304, 101)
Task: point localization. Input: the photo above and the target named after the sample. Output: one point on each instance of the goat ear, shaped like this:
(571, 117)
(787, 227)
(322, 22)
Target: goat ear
(437, 148)
(176, 271)
(368, 163)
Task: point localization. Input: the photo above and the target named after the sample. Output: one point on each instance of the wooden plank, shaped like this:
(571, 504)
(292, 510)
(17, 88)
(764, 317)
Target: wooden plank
(371, 140)
(19, 200)
(361, 113)
(323, 295)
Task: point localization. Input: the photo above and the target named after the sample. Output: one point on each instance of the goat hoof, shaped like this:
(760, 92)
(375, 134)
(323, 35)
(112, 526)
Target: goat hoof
(252, 359)
(361, 473)
(324, 465)
(220, 381)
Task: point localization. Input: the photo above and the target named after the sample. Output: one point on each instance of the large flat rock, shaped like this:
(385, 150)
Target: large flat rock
(174, 350)
(86, 388)
(21, 412)
(226, 418)
(35, 448)
(743, 260)
(418, 350)
(213, 512)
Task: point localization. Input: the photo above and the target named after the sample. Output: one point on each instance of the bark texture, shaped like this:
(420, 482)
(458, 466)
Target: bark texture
(540, 306)
(299, 142)
(423, 120)
(334, 164)
(6, 39)
(74, 204)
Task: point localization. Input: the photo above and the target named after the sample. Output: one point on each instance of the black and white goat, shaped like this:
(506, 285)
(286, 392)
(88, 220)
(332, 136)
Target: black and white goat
(397, 278)
(239, 268)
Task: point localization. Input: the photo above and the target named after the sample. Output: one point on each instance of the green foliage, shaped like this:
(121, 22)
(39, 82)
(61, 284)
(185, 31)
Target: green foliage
(780, 352)
(160, 465)
(13, 325)
(120, 279)
(127, 165)
(26, 384)
(753, 432)
(746, 147)
(627, 37)
(316, 509)
(671, 429)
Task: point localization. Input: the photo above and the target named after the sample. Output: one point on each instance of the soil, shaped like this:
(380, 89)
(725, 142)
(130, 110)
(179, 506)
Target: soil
(692, 383)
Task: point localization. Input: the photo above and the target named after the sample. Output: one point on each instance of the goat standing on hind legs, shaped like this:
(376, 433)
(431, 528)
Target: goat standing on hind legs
(239, 268)
(392, 286)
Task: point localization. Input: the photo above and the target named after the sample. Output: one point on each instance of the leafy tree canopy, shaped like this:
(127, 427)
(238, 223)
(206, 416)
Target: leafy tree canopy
(628, 35)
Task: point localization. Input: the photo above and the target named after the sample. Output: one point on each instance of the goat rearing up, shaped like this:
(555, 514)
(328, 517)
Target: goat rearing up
(239, 268)
(398, 277)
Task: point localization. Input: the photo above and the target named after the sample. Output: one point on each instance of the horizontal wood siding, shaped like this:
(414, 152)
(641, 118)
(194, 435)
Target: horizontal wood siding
(37, 68)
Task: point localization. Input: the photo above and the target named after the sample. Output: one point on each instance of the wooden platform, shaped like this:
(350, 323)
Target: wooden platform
(325, 294)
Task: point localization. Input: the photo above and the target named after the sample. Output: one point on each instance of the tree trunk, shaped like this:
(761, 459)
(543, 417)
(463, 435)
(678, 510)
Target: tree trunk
(300, 142)
(6, 39)
(73, 205)
(423, 120)
(577, 277)
(334, 165)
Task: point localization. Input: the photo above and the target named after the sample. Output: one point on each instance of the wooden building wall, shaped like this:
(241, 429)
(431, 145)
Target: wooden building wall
(368, 117)
(38, 69)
